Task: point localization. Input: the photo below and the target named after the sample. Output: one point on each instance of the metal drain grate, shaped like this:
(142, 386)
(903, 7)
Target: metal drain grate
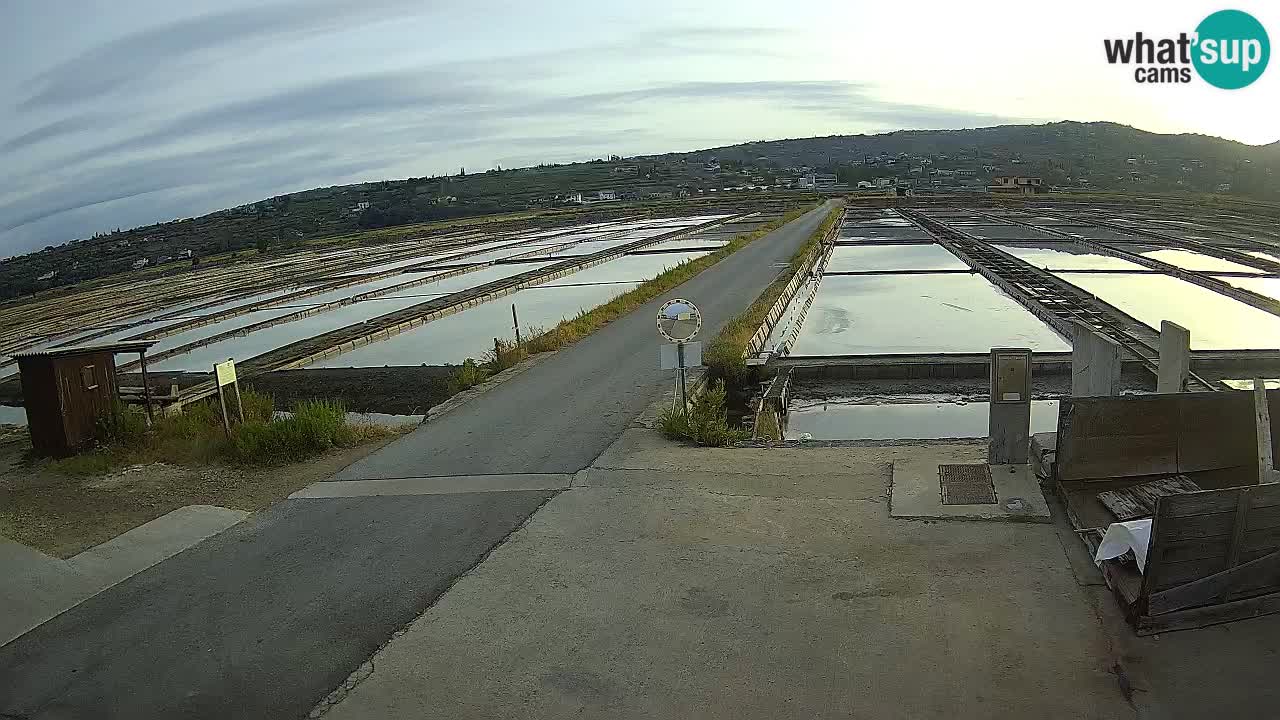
(966, 485)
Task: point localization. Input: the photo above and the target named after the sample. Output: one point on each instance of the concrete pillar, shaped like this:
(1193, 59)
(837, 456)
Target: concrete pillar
(1175, 358)
(1009, 428)
(1095, 363)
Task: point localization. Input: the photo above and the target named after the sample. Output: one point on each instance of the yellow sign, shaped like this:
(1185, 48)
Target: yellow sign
(226, 372)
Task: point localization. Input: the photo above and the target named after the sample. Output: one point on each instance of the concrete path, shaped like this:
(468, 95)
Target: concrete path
(266, 619)
(260, 621)
(38, 587)
(680, 582)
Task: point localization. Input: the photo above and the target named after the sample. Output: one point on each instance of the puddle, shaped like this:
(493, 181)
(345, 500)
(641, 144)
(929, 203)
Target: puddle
(1263, 286)
(470, 333)
(1068, 256)
(874, 234)
(1006, 232)
(835, 420)
(896, 314)
(628, 268)
(11, 415)
(1272, 256)
(689, 243)
(1238, 384)
(608, 279)
(892, 257)
(1216, 322)
(417, 260)
(785, 328)
(243, 347)
(205, 331)
(1188, 260)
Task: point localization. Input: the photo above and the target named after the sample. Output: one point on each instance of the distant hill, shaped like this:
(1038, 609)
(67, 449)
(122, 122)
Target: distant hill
(1070, 154)
(1104, 156)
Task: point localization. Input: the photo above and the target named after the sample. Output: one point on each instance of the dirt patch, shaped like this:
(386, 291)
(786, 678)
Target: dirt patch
(399, 390)
(62, 515)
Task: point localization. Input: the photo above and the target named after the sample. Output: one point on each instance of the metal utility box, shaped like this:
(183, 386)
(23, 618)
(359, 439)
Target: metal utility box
(65, 392)
(1010, 375)
(1010, 410)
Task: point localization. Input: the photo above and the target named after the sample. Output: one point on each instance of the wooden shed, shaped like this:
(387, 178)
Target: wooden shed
(66, 391)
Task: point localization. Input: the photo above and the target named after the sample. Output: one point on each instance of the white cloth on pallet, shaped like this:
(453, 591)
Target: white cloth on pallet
(1122, 537)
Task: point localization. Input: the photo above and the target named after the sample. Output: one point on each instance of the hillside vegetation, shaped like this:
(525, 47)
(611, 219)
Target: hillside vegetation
(1069, 155)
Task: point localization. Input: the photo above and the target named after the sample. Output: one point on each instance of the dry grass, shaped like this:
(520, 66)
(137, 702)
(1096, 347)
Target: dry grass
(572, 330)
(138, 474)
(724, 355)
(507, 354)
(197, 437)
(62, 515)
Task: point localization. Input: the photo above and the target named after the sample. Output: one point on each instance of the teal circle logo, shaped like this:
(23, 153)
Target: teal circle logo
(1232, 49)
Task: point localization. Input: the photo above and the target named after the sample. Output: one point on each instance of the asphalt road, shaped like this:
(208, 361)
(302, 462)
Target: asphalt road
(263, 620)
(560, 415)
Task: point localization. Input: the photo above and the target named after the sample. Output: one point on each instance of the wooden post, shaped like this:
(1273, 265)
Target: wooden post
(239, 402)
(1175, 358)
(684, 394)
(226, 422)
(1262, 421)
(222, 401)
(1095, 363)
(515, 321)
(146, 387)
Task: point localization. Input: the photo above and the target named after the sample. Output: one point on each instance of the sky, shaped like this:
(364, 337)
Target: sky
(116, 113)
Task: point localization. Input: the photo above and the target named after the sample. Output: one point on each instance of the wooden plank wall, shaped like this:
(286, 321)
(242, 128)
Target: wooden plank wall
(44, 413)
(81, 406)
(1106, 438)
(1213, 547)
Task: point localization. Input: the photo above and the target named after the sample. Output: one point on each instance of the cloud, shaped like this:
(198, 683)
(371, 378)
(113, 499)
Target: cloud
(324, 104)
(52, 130)
(851, 102)
(368, 125)
(535, 104)
(132, 59)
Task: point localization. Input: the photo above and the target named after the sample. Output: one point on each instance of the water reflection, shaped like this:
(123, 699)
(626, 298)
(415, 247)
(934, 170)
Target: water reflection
(1216, 321)
(892, 257)
(836, 420)
(895, 314)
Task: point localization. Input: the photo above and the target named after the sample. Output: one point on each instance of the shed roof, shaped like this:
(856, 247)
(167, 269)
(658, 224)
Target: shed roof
(116, 347)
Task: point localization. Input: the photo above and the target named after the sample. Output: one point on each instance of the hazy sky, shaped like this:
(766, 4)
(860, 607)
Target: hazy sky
(123, 112)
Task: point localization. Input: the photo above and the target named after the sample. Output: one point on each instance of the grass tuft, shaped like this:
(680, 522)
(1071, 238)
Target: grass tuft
(197, 436)
(706, 423)
(507, 353)
(587, 322)
(723, 356)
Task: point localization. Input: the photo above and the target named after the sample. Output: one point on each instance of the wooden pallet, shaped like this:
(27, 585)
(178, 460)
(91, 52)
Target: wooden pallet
(1139, 501)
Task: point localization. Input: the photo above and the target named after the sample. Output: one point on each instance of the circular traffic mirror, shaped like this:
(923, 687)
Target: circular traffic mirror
(679, 320)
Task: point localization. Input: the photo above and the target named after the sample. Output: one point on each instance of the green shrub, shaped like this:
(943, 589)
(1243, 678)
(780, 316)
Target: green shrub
(723, 356)
(588, 321)
(197, 436)
(467, 375)
(504, 354)
(314, 427)
(120, 425)
(706, 423)
(258, 407)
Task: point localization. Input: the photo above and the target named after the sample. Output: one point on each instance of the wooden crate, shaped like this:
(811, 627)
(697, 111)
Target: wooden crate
(1214, 555)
